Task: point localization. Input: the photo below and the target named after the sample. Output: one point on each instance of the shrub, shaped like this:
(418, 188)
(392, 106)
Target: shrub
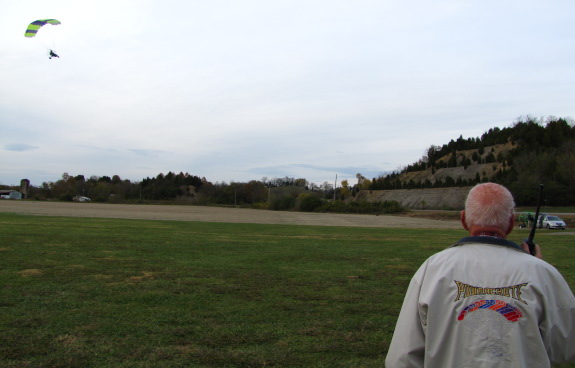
(282, 203)
(308, 202)
(260, 205)
(362, 207)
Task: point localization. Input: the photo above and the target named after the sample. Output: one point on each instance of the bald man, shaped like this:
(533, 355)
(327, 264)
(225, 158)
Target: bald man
(485, 301)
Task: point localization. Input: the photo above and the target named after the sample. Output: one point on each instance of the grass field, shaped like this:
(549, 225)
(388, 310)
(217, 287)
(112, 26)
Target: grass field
(83, 292)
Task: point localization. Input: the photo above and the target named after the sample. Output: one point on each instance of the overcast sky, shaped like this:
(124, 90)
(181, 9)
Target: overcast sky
(240, 90)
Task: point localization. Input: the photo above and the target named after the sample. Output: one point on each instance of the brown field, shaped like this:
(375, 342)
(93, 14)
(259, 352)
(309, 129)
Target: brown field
(219, 214)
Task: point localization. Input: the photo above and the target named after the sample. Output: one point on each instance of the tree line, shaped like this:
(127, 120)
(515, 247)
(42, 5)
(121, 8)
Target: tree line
(275, 194)
(163, 187)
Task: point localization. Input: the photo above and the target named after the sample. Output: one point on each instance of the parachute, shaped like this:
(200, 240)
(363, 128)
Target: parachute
(37, 24)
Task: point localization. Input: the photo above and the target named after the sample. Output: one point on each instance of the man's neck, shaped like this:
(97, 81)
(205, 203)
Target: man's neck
(487, 231)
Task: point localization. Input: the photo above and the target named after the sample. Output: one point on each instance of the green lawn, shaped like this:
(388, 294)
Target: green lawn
(78, 292)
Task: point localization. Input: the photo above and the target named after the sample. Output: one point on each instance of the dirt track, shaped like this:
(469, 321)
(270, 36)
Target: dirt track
(217, 214)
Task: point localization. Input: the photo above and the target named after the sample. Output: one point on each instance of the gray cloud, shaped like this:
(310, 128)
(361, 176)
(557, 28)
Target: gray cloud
(20, 147)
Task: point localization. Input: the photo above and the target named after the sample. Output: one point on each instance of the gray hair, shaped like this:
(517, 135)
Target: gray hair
(489, 204)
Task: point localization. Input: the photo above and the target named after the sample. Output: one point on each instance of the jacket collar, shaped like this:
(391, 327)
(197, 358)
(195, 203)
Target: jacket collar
(488, 240)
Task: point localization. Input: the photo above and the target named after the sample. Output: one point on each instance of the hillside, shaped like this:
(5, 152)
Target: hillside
(521, 157)
(464, 172)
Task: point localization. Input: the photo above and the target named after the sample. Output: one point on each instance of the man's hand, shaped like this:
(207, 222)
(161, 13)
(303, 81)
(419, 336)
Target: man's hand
(537, 250)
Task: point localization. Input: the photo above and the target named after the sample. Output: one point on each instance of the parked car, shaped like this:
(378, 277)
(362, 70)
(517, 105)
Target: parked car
(552, 222)
(81, 199)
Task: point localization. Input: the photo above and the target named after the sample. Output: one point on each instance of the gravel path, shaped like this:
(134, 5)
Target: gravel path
(217, 214)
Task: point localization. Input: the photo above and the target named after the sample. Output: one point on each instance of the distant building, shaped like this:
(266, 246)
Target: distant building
(10, 194)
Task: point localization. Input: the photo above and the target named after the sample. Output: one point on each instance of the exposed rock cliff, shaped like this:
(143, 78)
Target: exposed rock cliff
(439, 198)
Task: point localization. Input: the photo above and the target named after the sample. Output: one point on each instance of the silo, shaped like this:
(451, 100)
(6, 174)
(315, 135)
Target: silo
(24, 187)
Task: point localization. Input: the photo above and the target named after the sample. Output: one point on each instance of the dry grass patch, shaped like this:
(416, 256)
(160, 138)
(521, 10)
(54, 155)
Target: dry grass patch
(145, 276)
(399, 267)
(67, 340)
(102, 277)
(30, 272)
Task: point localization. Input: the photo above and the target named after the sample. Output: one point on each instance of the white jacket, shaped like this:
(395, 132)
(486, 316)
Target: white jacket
(484, 305)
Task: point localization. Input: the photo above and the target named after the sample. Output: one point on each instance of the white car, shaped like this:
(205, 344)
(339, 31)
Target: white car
(552, 222)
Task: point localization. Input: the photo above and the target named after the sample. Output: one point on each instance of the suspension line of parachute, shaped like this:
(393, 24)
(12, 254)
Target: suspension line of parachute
(37, 24)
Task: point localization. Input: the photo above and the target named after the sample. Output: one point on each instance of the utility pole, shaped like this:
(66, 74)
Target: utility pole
(334, 187)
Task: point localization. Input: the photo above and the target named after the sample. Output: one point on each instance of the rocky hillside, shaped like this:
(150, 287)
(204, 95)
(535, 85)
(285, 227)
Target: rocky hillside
(476, 167)
(437, 198)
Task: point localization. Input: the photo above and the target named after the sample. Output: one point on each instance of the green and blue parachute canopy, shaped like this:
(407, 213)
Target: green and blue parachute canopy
(37, 24)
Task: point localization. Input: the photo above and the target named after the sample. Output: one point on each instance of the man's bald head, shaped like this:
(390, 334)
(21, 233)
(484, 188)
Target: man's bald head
(489, 205)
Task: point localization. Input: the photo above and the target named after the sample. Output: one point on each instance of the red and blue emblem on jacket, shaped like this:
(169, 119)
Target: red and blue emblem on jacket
(505, 309)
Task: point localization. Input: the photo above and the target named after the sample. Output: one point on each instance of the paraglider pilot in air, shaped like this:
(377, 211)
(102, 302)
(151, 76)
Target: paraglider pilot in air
(35, 26)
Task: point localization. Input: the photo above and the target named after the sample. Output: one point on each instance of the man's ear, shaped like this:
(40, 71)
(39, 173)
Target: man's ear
(511, 224)
(463, 220)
